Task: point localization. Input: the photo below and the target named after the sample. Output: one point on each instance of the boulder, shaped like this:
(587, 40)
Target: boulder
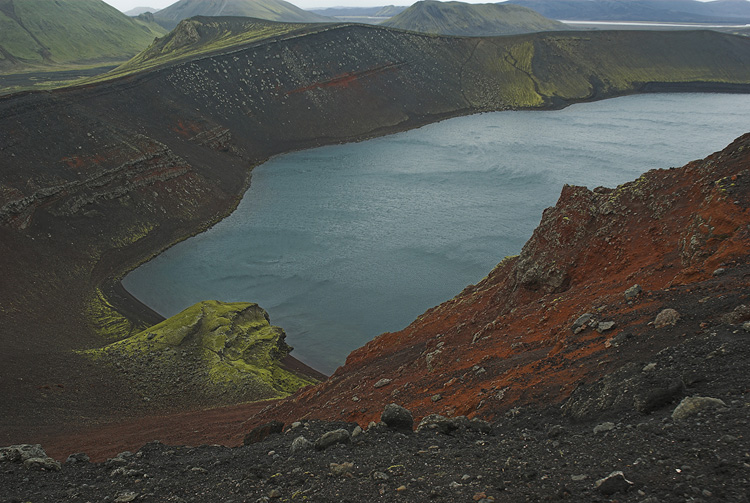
(340, 436)
(691, 405)
(397, 417)
(260, 433)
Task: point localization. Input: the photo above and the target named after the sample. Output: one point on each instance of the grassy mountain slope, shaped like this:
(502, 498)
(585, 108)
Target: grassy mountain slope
(273, 10)
(471, 20)
(200, 35)
(687, 11)
(42, 32)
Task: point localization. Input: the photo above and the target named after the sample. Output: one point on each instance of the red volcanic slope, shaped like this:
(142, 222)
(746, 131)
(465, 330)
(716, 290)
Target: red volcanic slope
(508, 341)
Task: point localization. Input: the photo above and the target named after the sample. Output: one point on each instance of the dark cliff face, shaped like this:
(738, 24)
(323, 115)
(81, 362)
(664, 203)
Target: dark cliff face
(97, 179)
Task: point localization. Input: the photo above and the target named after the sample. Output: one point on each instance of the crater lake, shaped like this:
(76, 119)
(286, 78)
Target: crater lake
(344, 242)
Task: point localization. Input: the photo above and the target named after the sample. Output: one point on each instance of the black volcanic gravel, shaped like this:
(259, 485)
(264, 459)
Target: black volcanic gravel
(531, 455)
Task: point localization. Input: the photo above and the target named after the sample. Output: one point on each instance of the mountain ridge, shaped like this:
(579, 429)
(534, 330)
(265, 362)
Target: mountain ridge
(271, 10)
(469, 20)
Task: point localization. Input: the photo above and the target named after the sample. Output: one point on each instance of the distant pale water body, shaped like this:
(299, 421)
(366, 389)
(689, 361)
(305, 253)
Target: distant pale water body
(342, 243)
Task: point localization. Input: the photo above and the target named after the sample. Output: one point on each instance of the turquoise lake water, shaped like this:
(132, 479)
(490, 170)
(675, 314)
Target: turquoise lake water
(342, 243)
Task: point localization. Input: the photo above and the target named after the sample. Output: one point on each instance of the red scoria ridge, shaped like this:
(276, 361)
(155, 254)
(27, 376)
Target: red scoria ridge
(508, 341)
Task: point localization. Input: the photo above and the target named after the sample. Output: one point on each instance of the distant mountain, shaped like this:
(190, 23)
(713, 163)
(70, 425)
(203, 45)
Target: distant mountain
(43, 32)
(463, 19)
(272, 10)
(685, 11)
(361, 12)
(137, 11)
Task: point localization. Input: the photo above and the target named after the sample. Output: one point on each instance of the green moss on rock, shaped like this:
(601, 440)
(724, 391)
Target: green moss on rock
(222, 352)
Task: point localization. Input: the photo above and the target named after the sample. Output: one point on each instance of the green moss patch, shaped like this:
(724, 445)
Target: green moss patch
(221, 352)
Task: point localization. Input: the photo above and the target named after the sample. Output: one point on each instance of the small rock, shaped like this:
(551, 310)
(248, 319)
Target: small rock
(649, 367)
(578, 478)
(582, 320)
(78, 457)
(436, 398)
(42, 464)
(274, 494)
(397, 417)
(601, 428)
(455, 485)
(746, 326)
(633, 292)
(555, 431)
(380, 476)
(340, 436)
(301, 444)
(613, 483)
(260, 433)
(401, 489)
(666, 317)
(691, 405)
(341, 469)
(719, 271)
(125, 497)
(603, 326)
(357, 431)
(383, 382)
(741, 313)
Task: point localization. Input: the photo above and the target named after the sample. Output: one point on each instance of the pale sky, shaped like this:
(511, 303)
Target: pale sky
(125, 5)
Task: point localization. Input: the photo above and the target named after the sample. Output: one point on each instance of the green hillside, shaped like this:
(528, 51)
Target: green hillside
(36, 33)
(201, 35)
(272, 10)
(471, 20)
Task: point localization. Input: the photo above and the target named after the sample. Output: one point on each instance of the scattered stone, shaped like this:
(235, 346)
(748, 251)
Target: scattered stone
(668, 317)
(357, 431)
(692, 405)
(741, 313)
(340, 436)
(260, 433)
(582, 320)
(632, 292)
(341, 469)
(603, 326)
(746, 326)
(578, 478)
(613, 483)
(22, 452)
(274, 494)
(657, 398)
(401, 489)
(301, 444)
(650, 367)
(380, 476)
(555, 431)
(720, 271)
(397, 417)
(125, 497)
(42, 464)
(604, 427)
(436, 398)
(78, 457)
(383, 382)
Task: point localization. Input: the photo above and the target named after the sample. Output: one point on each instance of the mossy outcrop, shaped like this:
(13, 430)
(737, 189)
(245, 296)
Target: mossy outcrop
(220, 352)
